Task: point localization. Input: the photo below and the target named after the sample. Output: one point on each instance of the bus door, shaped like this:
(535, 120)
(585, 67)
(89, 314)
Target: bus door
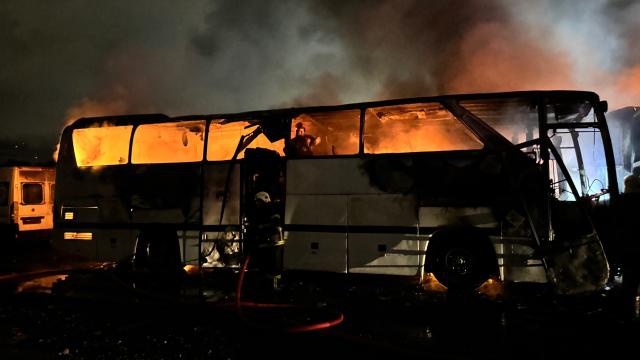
(241, 161)
(577, 168)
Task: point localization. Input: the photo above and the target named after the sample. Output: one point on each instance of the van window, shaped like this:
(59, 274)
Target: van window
(32, 194)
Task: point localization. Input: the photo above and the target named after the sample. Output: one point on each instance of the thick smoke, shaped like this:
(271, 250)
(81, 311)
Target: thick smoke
(64, 60)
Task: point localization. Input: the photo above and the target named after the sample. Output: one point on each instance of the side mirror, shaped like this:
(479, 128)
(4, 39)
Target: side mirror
(603, 106)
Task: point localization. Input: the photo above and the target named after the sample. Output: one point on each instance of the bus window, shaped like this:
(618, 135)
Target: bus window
(514, 118)
(98, 146)
(326, 133)
(168, 143)
(224, 138)
(582, 152)
(415, 128)
(32, 194)
(570, 112)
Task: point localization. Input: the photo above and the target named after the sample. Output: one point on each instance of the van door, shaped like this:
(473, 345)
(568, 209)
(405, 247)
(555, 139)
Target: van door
(32, 208)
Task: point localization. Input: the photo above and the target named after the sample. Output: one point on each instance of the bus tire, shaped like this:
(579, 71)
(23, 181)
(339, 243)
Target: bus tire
(461, 259)
(157, 251)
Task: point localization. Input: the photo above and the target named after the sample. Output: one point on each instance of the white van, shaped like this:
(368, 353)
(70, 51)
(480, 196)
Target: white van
(26, 200)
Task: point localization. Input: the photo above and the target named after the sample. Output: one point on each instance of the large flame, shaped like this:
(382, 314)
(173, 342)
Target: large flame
(415, 128)
(103, 145)
(88, 108)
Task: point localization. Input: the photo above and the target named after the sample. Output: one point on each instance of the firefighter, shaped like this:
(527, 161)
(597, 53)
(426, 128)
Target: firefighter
(302, 144)
(266, 238)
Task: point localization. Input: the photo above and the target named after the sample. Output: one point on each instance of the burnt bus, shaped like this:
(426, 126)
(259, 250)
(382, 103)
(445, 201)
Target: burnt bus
(462, 187)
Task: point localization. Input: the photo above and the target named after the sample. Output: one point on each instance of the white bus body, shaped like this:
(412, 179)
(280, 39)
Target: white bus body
(460, 185)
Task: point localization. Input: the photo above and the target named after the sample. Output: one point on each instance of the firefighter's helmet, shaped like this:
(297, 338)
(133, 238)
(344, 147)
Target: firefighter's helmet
(263, 197)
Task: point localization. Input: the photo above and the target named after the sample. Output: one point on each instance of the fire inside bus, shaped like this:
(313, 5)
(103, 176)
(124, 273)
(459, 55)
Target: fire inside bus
(460, 187)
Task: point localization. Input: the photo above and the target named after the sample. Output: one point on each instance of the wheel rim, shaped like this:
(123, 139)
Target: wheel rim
(459, 262)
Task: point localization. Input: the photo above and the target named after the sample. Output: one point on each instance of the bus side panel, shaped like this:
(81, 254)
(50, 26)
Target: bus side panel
(114, 244)
(374, 250)
(321, 241)
(345, 176)
(389, 254)
(165, 193)
(316, 212)
(319, 251)
(92, 208)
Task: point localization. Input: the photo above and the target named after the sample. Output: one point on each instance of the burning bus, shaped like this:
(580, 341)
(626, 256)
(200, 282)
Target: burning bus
(462, 187)
(26, 201)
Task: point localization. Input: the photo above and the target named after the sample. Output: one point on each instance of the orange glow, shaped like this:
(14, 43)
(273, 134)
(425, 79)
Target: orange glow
(430, 283)
(224, 138)
(492, 288)
(104, 145)
(415, 128)
(191, 269)
(88, 108)
(335, 132)
(168, 143)
(40, 285)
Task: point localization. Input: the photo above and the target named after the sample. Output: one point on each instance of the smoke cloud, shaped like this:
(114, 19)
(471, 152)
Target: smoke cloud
(64, 60)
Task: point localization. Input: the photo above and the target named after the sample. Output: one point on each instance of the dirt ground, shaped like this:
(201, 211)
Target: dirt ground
(102, 312)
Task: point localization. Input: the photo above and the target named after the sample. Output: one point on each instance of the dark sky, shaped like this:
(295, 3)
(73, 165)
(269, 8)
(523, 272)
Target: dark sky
(60, 60)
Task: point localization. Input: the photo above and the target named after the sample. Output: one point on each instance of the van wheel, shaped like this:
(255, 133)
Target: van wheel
(157, 251)
(461, 265)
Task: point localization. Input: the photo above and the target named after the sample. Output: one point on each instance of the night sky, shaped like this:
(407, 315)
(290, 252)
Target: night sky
(60, 60)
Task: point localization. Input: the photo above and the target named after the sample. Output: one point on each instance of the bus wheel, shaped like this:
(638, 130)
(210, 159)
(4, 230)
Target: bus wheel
(158, 251)
(461, 265)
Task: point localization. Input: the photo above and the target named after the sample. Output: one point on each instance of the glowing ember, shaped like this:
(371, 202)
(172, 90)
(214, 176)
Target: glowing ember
(41, 285)
(492, 288)
(430, 283)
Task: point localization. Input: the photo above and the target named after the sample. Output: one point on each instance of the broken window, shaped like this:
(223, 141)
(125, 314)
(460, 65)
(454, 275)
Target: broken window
(32, 194)
(98, 146)
(225, 136)
(175, 142)
(415, 128)
(582, 152)
(514, 118)
(570, 112)
(325, 133)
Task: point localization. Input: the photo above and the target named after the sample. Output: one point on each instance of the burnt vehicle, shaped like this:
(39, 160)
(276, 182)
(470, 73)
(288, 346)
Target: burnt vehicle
(462, 187)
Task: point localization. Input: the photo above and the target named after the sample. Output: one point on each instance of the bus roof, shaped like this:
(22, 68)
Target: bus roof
(133, 119)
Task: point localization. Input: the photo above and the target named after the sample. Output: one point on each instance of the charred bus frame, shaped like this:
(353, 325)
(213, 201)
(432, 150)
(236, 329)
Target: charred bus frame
(478, 185)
